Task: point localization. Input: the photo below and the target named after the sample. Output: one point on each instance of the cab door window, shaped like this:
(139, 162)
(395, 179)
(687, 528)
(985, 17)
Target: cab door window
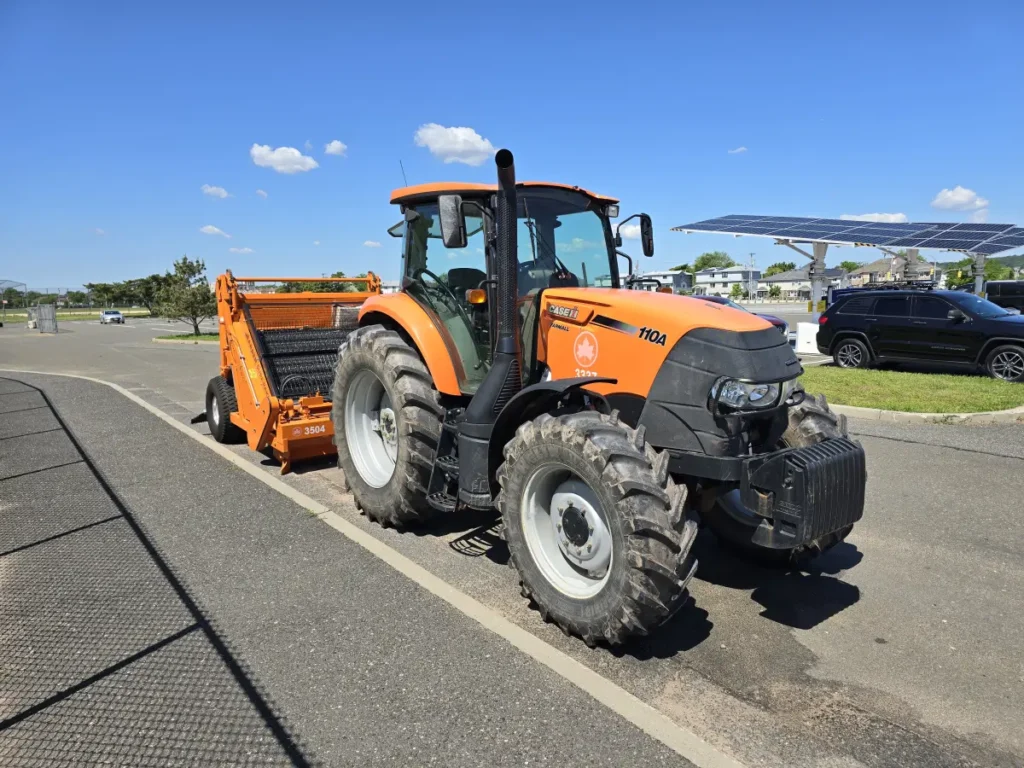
(438, 278)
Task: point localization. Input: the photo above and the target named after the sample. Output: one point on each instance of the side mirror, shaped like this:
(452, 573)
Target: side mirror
(453, 221)
(956, 315)
(647, 234)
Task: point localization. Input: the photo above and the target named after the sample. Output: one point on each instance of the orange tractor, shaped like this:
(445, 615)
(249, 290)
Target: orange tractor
(513, 372)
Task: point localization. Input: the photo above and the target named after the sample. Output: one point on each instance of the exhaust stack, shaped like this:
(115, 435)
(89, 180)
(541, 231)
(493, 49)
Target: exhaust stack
(505, 377)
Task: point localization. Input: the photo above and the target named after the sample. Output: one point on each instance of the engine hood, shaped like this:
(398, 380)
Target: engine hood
(671, 314)
(627, 335)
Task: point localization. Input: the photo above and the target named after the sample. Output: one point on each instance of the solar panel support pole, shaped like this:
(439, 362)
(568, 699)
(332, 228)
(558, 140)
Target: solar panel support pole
(819, 280)
(979, 273)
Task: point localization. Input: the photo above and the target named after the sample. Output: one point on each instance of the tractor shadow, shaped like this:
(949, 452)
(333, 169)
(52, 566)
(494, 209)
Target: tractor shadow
(481, 540)
(797, 598)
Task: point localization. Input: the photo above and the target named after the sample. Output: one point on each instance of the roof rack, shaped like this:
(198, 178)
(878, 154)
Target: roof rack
(897, 285)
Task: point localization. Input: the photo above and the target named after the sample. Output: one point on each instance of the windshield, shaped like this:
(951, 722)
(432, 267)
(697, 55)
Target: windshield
(980, 307)
(562, 241)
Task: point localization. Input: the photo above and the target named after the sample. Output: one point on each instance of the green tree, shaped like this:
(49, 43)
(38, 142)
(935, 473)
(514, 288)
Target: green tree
(77, 298)
(737, 291)
(186, 294)
(682, 268)
(849, 266)
(716, 259)
(145, 291)
(321, 287)
(775, 291)
(778, 268)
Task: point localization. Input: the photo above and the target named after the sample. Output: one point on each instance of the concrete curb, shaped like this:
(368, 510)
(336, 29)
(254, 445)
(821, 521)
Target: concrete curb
(1011, 416)
(184, 341)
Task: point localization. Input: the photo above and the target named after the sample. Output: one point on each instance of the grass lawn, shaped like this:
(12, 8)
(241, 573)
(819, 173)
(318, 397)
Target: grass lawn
(915, 392)
(192, 337)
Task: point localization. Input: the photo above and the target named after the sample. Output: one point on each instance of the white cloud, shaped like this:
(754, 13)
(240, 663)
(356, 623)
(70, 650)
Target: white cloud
(240, 250)
(209, 229)
(372, 244)
(308, 146)
(630, 231)
(316, 242)
(886, 218)
(454, 145)
(959, 199)
(99, 231)
(737, 151)
(336, 148)
(214, 191)
(261, 193)
(980, 216)
(282, 159)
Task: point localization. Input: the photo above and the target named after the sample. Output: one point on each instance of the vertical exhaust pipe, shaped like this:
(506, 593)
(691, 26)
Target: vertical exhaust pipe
(507, 256)
(505, 378)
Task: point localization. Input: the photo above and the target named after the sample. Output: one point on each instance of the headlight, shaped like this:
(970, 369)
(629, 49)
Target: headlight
(743, 397)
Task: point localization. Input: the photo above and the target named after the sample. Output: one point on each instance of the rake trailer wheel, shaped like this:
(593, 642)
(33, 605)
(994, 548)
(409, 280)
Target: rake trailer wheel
(220, 404)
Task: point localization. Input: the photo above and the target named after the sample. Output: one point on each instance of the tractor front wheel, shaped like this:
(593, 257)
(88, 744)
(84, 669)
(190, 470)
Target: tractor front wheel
(387, 420)
(596, 528)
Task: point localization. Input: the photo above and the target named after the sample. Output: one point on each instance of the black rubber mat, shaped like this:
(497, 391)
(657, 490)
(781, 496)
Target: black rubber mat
(105, 658)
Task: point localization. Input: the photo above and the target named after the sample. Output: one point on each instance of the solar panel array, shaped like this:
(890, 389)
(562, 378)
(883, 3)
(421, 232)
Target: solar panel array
(972, 238)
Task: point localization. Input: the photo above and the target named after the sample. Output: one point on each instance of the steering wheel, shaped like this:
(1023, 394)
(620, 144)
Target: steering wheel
(445, 290)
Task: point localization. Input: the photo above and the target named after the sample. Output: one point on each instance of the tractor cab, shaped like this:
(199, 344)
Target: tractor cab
(565, 238)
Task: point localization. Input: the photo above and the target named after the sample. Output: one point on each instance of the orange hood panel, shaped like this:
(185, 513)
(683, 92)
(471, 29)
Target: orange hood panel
(625, 335)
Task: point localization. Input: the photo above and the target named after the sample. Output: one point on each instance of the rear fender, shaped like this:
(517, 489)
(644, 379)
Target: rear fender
(527, 405)
(401, 311)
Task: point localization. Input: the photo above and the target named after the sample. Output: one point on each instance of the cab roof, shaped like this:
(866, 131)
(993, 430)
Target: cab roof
(426, 191)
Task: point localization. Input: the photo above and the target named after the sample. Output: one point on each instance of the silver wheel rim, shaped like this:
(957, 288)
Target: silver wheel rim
(849, 356)
(371, 429)
(565, 533)
(214, 410)
(1008, 365)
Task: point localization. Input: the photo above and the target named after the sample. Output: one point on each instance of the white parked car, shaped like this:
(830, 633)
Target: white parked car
(108, 316)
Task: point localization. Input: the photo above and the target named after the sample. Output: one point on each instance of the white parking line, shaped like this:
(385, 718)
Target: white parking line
(651, 721)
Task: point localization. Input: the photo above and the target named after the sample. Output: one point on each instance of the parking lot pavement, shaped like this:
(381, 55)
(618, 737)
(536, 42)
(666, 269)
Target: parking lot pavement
(328, 655)
(899, 648)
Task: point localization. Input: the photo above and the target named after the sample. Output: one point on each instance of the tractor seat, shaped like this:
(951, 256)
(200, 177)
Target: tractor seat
(461, 279)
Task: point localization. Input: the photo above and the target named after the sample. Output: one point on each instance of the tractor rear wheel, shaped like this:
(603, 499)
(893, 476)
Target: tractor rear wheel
(220, 404)
(810, 422)
(596, 528)
(387, 420)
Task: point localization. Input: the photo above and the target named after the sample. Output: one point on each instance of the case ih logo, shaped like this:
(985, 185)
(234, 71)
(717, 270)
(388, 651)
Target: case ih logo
(569, 313)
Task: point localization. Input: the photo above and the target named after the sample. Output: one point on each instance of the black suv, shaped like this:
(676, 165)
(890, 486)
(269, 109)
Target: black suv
(1006, 293)
(948, 327)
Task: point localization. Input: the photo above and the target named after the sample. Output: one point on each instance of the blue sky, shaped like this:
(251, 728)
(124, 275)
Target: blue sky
(114, 117)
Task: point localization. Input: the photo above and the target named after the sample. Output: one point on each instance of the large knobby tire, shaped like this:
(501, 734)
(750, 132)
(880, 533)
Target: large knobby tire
(375, 354)
(810, 422)
(1006, 362)
(220, 404)
(644, 513)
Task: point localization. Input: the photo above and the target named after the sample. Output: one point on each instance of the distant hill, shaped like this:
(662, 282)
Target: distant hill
(1016, 261)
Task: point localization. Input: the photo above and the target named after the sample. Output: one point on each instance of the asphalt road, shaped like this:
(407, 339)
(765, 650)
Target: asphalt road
(902, 647)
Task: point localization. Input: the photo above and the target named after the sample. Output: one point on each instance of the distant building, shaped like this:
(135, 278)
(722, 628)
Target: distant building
(889, 269)
(679, 280)
(390, 286)
(796, 283)
(719, 281)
